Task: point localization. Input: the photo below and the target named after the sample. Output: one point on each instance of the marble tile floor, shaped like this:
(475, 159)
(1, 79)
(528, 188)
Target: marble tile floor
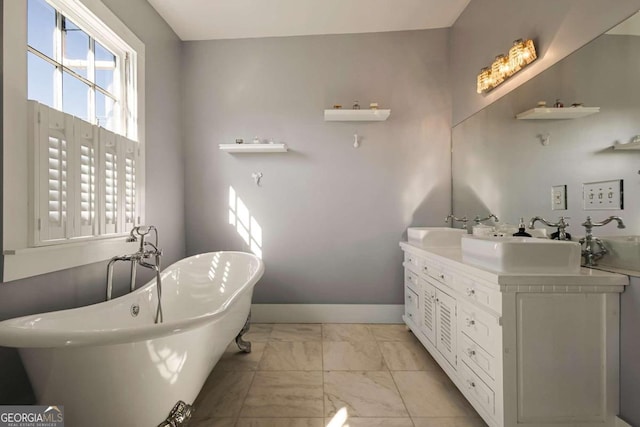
(331, 375)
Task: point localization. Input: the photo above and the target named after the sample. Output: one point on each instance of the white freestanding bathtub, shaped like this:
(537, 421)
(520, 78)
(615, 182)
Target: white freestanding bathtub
(111, 368)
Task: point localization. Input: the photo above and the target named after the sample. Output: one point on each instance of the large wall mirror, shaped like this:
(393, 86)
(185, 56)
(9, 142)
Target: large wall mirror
(508, 166)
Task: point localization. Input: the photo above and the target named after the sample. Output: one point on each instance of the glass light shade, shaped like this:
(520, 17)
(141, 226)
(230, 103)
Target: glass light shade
(484, 80)
(505, 67)
(496, 70)
(516, 55)
(529, 52)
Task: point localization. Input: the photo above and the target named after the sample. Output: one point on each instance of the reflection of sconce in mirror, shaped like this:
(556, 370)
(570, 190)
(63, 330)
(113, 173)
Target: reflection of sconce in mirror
(521, 54)
(544, 138)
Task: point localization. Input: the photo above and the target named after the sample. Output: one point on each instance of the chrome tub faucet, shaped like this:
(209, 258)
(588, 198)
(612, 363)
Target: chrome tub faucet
(146, 252)
(594, 249)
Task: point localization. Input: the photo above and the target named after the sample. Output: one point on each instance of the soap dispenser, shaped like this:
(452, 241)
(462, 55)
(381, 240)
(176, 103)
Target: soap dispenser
(521, 228)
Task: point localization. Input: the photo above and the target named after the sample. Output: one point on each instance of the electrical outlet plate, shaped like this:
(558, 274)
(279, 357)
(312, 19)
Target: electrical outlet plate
(559, 198)
(603, 195)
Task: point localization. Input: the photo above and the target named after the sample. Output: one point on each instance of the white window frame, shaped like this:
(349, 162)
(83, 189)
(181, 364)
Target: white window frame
(115, 45)
(21, 258)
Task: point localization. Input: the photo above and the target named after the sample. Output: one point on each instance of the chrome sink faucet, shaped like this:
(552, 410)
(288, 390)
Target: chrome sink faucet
(146, 251)
(479, 220)
(453, 219)
(590, 253)
(561, 225)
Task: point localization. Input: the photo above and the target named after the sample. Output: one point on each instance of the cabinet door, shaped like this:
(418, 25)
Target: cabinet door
(428, 321)
(446, 326)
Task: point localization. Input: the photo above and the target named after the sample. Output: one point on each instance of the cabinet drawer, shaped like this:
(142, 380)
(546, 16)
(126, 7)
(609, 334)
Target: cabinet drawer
(411, 305)
(411, 279)
(477, 389)
(480, 294)
(434, 270)
(479, 326)
(413, 262)
(476, 357)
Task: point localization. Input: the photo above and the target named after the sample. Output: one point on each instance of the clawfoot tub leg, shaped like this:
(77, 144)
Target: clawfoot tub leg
(179, 415)
(242, 344)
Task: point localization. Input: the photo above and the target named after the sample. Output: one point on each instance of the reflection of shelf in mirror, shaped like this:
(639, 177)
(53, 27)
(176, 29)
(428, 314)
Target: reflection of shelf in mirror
(545, 113)
(254, 148)
(634, 145)
(339, 115)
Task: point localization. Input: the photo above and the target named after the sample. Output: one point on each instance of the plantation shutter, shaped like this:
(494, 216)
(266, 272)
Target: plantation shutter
(85, 181)
(130, 191)
(110, 178)
(53, 143)
(86, 151)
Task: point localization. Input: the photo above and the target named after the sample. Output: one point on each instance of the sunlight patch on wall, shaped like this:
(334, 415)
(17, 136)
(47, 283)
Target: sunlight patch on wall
(246, 225)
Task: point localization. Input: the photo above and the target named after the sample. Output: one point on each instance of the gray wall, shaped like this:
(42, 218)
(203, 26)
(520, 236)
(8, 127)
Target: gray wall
(499, 164)
(164, 194)
(331, 215)
(486, 28)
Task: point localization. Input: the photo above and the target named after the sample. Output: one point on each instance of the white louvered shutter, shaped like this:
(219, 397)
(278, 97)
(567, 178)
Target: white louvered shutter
(130, 192)
(53, 143)
(109, 171)
(86, 176)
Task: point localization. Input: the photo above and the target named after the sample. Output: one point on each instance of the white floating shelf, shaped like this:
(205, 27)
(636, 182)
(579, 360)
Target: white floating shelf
(340, 115)
(629, 146)
(545, 113)
(254, 148)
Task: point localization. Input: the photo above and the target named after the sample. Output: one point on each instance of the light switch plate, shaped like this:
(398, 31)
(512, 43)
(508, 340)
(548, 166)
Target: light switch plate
(603, 195)
(559, 198)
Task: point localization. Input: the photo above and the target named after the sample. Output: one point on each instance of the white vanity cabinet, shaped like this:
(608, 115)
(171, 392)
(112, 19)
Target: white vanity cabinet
(525, 350)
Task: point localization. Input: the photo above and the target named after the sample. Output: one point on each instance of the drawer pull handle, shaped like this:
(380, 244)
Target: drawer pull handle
(470, 322)
(442, 276)
(471, 383)
(471, 292)
(409, 297)
(470, 352)
(410, 314)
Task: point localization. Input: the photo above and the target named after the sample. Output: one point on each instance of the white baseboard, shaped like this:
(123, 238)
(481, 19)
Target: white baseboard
(327, 313)
(621, 423)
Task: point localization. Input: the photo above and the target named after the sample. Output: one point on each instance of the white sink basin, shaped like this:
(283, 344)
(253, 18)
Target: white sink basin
(435, 237)
(624, 252)
(522, 255)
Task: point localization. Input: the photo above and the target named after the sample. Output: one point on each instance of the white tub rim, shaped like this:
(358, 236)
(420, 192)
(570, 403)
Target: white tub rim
(13, 335)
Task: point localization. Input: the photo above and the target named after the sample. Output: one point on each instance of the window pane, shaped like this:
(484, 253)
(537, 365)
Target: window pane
(105, 68)
(75, 97)
(41, 76)
(76, 48)
(41, 25)
(106, 112)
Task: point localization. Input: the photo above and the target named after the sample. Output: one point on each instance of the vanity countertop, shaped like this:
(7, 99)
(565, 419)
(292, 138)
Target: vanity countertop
(452, 257)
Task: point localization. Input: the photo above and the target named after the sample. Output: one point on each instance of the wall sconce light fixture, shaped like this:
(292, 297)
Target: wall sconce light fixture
(522, 53)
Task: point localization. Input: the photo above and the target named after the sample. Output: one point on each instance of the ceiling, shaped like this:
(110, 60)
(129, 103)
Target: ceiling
(231, 19)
